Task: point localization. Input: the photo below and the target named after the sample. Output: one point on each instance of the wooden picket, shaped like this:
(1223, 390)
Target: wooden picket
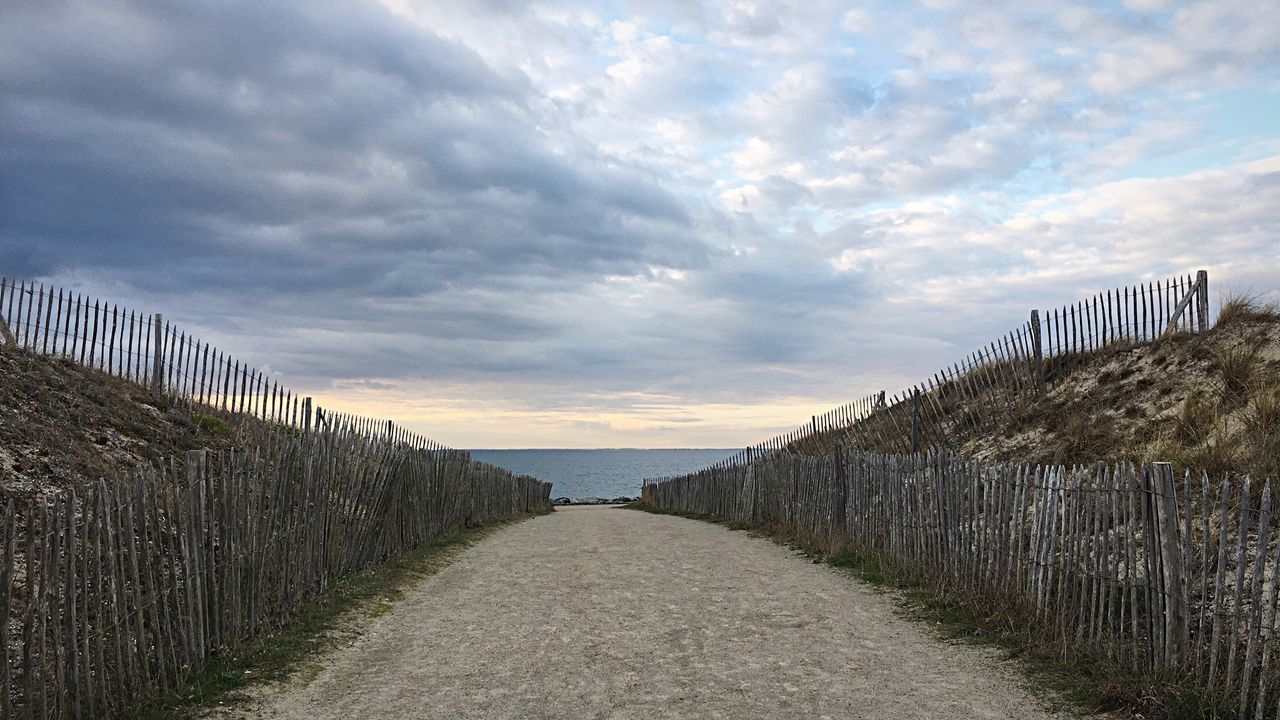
(142, 348)
(1004, 376)
(118, 591)
(143, 579)
(1127, 561)
(208, 551)
(148, 350)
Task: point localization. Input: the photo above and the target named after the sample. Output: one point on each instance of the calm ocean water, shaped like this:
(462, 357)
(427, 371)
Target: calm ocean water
(600, 473)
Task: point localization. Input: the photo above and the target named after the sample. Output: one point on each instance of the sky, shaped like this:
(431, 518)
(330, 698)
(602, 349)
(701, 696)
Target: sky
(629, 224)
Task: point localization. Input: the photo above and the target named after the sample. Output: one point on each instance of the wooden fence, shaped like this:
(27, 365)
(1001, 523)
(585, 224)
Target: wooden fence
(1156, 571)
(1003, 376)
(1134, 314)
(965, 396)
(122, 591)
(119, 590)
(151, 351)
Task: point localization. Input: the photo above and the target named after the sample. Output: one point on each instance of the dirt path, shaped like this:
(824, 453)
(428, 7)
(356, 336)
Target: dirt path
(602, 613)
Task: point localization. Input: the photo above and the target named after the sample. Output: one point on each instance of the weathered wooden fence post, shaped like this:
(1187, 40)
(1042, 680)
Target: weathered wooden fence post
(747, 501)
(838, 538)
(915, 420)
(1172, 562)
(5, 333)
(1202, 300)
(1037, 348)
(1198, 294)
(157, 354)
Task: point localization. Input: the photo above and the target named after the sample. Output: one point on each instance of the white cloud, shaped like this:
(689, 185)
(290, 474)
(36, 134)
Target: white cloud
(1147, 5)
(621, 202)
(1095, 237)
(856, 21)
(755, 159)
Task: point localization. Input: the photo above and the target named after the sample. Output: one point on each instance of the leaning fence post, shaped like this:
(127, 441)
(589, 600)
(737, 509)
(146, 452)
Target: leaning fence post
(1036, 347)
(1202, 300)
(306, 416)
(157, 353)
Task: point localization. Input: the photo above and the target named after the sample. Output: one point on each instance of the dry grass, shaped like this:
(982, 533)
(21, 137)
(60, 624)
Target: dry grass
(1246, 308)
(1261, 427)
(65, 425)
(1083, 438)
(1196, 418)
(1219, 454)
(1237, 367)
(1235, 429)
(1206, 402)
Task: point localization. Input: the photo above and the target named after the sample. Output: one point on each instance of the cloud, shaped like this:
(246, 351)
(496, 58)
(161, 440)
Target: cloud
(261, 148)
(1073, 243)
(615, 220)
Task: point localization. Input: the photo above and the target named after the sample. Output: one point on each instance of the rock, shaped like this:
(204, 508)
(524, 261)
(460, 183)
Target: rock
(591, 501)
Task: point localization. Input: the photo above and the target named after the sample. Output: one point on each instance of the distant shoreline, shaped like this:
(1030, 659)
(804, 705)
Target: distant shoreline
(621, 500)
(605, 449)
(603, 473)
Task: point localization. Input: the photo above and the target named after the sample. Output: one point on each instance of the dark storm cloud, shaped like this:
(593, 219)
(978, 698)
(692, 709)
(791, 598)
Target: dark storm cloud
(315, 151)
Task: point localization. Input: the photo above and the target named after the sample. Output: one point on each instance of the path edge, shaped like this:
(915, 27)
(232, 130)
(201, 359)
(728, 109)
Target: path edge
(229, 683)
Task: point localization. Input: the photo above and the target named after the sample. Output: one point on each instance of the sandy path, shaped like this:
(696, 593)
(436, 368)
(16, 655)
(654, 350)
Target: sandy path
(602, 613)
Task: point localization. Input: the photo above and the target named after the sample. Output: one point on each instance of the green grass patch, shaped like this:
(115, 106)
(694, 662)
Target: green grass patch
(293, 647)
(212, 425)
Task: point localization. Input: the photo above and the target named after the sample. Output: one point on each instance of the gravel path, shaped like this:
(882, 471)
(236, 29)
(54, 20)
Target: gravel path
(596, 612)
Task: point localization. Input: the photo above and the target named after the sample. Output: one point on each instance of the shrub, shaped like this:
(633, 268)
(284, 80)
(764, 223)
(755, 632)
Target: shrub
(212, 425)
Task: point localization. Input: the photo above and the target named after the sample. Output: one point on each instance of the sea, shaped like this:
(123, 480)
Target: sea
(601, 473)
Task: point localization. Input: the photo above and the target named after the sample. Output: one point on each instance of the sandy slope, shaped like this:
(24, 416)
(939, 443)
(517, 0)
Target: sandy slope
(595, 612)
